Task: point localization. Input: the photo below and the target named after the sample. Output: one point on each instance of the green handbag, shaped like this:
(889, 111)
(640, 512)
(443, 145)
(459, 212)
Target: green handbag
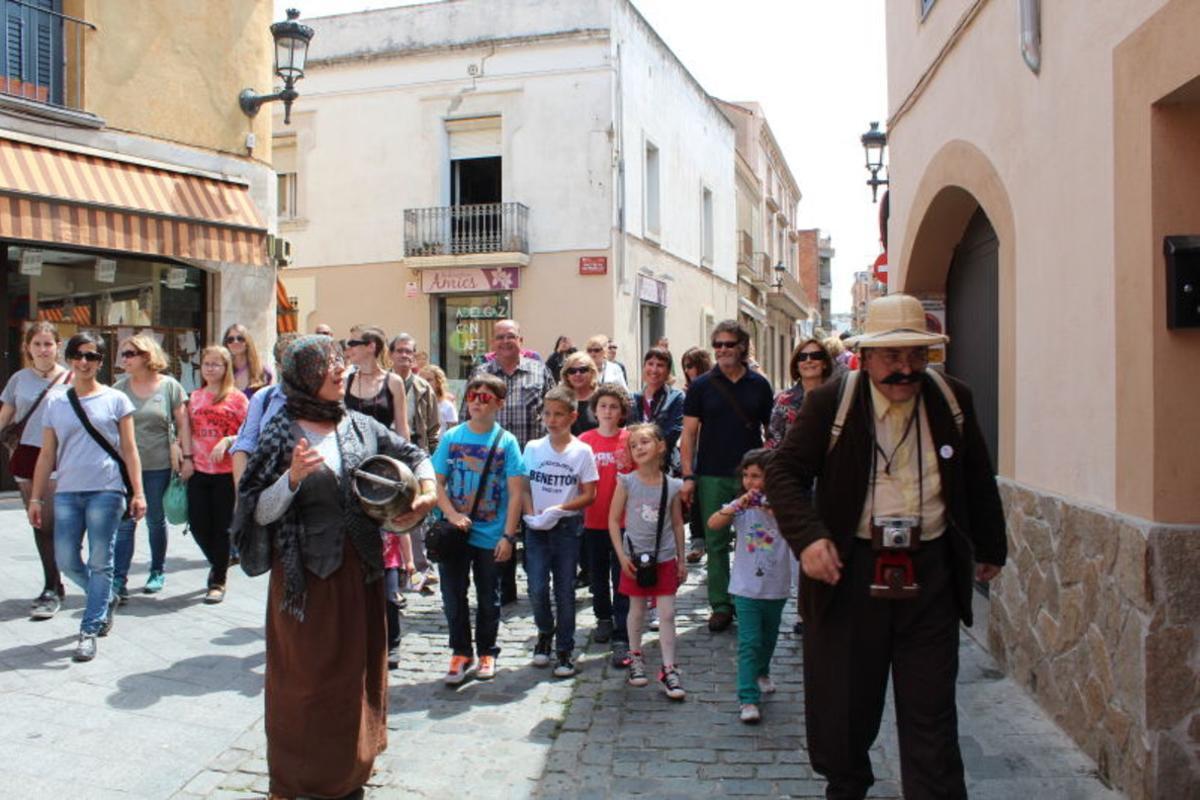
(175, 504)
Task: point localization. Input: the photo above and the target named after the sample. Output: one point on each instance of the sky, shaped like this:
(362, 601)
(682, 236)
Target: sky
(817, 68)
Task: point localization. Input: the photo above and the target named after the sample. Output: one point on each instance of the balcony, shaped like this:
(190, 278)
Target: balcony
(42, 52)
(787, 295)
(487, 233)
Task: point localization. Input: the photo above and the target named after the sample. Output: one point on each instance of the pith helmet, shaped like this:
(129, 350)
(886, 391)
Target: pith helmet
(896, 320)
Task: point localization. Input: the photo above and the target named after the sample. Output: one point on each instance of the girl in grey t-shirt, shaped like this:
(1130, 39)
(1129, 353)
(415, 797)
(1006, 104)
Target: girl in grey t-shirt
(24, 402)
(638, 503)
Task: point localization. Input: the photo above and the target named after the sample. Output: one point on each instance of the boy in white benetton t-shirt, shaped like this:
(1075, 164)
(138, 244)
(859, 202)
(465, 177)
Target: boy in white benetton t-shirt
(560, 483)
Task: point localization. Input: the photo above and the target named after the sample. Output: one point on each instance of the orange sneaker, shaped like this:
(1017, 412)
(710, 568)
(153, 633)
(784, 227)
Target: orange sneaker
(487, 668)
(459, 667)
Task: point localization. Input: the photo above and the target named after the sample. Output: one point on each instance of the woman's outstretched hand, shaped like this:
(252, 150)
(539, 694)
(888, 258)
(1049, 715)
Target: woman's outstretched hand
(305, 461)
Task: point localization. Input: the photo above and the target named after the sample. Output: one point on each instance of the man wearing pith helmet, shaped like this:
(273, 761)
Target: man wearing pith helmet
(884, 490)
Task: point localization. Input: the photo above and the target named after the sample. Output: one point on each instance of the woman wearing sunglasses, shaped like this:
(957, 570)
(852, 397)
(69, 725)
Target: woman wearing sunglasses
(215, 413)
(83, 429)
(160, 422)
(249, 374)
(579, 374)
(373, 389)
(810, 367)
(24, 404)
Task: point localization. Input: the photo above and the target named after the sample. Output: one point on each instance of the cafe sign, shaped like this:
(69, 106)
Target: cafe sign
(470, 281)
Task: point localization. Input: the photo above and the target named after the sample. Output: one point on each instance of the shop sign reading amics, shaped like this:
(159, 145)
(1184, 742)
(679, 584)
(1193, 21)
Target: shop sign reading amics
(465, 281)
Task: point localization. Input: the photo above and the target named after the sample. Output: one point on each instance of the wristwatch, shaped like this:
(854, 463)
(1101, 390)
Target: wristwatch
(508, 537)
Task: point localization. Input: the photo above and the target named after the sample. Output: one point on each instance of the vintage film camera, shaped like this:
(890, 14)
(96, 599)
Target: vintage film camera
(894, 539)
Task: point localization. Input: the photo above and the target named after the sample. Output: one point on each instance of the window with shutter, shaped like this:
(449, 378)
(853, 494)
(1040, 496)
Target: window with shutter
(32, 50)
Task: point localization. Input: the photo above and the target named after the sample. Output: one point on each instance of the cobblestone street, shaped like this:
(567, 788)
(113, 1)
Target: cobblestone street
(172, 708)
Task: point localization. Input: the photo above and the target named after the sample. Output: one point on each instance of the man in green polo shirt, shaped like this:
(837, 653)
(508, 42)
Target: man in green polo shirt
(725, 412)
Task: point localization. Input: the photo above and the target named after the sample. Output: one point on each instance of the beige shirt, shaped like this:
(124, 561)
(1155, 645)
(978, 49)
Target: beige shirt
(900, 493)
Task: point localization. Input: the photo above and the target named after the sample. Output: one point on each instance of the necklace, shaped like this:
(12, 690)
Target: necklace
(45, 373)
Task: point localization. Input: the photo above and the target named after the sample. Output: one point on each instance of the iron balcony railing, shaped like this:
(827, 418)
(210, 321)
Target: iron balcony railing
(466, 230)
(42, 52)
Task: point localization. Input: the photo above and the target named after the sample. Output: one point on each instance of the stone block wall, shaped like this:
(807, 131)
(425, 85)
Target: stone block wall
(1098, 615)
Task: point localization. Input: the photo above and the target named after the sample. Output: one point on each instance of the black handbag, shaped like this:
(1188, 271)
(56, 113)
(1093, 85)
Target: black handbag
(445, 541)
(646, 564)
(106, 446)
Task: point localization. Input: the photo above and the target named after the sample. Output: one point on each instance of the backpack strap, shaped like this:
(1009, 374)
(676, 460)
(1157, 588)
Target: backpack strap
(845, 399)
(951, 400)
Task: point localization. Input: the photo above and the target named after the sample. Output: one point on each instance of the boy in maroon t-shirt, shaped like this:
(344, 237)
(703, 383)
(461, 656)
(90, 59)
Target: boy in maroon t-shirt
(610, 404)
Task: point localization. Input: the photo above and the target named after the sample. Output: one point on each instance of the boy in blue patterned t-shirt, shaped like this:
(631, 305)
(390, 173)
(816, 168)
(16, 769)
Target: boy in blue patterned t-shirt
(458, 461)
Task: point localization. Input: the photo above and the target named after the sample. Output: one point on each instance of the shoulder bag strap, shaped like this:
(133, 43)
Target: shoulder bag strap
(42, 396)
(731, 398)
(483, 474)
(105, 444)
(845, 399)
(948, 393)
(662, 516)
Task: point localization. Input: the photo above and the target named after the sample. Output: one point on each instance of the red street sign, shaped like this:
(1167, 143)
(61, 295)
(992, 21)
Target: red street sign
(593, 265)
(880, 268)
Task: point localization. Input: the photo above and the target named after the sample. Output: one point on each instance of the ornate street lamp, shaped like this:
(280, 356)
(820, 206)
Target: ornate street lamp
(874, 142)
(291, 50)
(780, 269)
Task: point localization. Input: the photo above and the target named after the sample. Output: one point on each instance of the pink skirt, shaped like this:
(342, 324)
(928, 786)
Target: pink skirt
(667, 582)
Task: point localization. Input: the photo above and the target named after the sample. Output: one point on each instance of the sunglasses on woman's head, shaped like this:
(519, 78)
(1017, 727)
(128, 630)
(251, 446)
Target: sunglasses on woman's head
(234, 338)
(802, 357)
(576, 370)
(91, 358)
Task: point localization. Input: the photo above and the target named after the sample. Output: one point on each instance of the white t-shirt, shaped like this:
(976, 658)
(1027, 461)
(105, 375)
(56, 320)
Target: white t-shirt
(447, 415)
(762, 561)
(82, 465)
(554, 477)
(612, 374)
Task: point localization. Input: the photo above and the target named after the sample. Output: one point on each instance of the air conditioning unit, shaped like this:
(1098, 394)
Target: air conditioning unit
(279, 250)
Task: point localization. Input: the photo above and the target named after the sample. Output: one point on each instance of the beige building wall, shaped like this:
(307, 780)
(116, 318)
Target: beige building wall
(1082, 168)
(173, 69)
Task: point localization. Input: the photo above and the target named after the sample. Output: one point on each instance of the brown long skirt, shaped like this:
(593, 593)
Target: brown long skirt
(326, 684)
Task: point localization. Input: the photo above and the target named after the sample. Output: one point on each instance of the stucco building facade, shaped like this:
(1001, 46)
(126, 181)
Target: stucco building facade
(129, 197)
(456, 163)
(1038, 163)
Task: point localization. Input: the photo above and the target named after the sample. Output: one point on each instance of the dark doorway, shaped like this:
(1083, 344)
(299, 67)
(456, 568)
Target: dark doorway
(476, 214)
(973, 322)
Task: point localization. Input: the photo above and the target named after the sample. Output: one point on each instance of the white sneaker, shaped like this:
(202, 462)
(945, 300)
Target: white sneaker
(750, 714)
(765, 684)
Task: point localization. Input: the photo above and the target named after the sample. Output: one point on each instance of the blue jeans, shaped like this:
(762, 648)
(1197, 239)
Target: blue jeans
(154, 482)
(605, 574)
(455, 579)
(554, 553)
(99, 513)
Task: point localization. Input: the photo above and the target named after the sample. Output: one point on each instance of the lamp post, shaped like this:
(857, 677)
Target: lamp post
(780, 269)
(291, 50)
(874, 142)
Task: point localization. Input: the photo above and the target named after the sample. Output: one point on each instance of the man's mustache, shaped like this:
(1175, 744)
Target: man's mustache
(900, 379)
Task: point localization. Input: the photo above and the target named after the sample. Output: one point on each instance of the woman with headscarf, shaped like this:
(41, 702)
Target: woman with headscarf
(326, 677)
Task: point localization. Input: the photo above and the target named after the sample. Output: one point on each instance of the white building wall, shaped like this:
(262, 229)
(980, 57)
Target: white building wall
(662, 104)
(371, 142)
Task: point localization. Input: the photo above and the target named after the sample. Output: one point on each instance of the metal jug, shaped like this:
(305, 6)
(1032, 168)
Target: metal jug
(385, 489)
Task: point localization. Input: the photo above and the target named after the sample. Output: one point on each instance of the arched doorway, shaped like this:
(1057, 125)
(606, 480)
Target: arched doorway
(973, 322)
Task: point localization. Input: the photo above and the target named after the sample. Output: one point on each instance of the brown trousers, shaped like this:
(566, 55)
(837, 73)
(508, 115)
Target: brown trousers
(849, 651)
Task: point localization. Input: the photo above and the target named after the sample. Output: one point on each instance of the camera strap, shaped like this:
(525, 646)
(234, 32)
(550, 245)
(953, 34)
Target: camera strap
(914, 420)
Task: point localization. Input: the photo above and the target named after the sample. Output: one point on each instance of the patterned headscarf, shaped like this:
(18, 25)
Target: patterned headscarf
(305, 365)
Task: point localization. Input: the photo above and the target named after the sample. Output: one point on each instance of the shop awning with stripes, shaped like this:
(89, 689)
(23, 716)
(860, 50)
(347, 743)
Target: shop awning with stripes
(73, 198)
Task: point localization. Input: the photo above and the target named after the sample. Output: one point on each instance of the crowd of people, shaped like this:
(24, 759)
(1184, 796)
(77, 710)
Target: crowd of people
(553, 463)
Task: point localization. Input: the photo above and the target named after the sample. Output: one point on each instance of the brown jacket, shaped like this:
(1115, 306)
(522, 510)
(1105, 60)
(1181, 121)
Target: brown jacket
(974, 515)
(425, 427)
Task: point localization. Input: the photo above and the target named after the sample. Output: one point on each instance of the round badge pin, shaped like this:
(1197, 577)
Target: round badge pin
(946, 452)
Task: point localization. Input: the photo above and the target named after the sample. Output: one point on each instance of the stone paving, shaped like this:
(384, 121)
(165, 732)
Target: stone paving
(172, 708)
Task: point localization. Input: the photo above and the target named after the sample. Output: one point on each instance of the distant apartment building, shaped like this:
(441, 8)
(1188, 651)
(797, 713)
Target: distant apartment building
(456, 163)
(864, 289)
(770, 295)
(815, 253)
